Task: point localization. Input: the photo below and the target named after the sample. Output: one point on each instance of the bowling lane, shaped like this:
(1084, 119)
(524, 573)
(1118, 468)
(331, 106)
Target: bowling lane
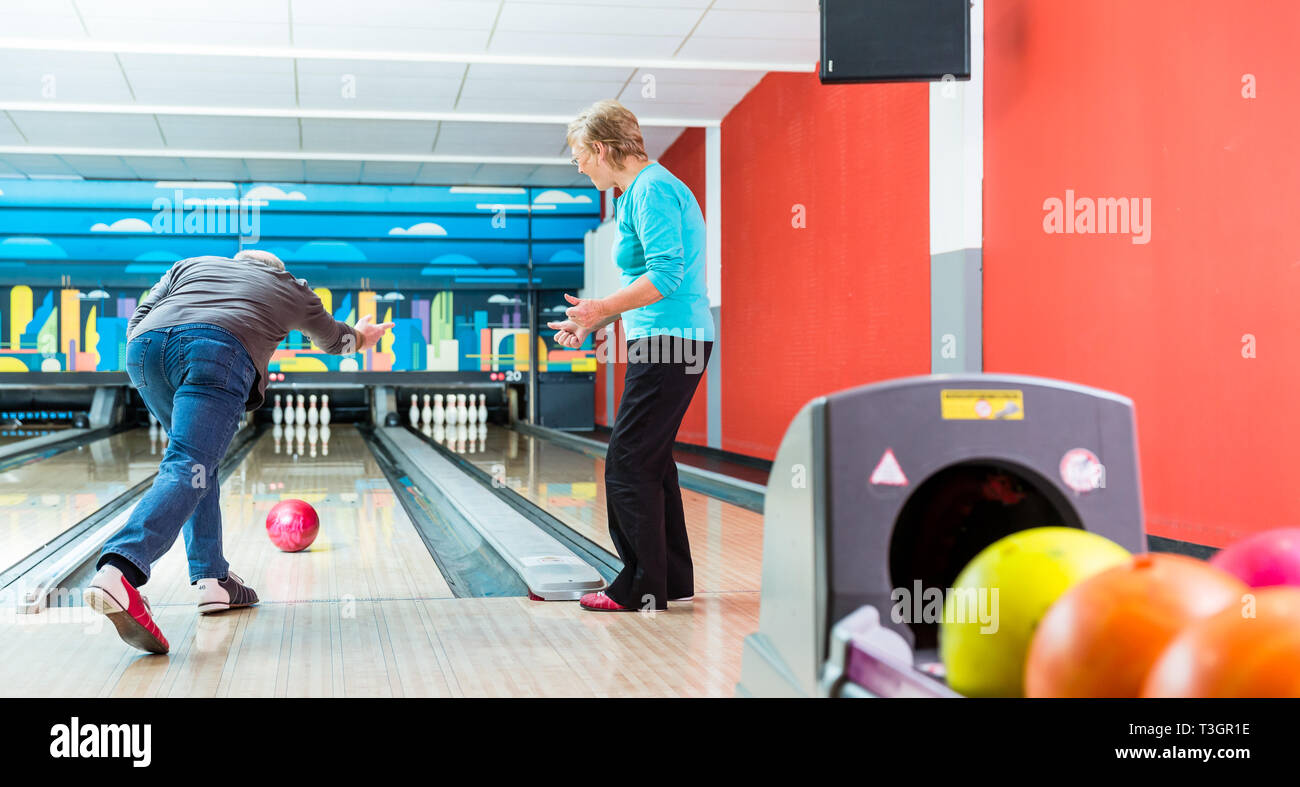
(367, 547)
(726, 540)
(41, 499)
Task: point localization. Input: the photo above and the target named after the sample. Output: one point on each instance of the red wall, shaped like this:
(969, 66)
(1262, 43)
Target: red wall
(1114, 98)
(841, 302)
(845, 300)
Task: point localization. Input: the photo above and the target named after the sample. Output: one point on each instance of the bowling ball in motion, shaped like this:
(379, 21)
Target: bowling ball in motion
(1102, 636)
(1264, 559)
(1249, 649)
(1015, 578)
(292, 525)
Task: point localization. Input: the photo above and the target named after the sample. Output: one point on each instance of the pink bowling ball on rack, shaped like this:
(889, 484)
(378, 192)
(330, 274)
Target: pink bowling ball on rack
(1264, 559)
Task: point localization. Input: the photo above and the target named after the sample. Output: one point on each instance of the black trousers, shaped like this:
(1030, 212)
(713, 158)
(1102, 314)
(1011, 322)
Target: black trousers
(642, 497)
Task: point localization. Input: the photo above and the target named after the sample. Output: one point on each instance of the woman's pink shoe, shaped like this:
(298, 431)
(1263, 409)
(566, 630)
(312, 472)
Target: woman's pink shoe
(600, 602)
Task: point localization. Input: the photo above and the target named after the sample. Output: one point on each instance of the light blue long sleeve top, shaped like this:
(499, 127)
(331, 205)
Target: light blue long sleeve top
(661, 236)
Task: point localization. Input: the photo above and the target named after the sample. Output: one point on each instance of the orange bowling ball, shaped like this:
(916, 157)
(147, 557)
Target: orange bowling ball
(1235, 653)
(1101, 637)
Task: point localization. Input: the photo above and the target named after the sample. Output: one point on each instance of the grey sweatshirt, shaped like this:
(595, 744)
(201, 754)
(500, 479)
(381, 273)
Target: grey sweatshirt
(257, 304)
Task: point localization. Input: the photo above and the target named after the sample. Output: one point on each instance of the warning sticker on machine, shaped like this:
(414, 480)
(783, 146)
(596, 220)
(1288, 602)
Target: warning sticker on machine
(962, 404)
(888, 472)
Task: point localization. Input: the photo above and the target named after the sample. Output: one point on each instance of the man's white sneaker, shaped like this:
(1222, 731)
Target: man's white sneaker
(217, 595)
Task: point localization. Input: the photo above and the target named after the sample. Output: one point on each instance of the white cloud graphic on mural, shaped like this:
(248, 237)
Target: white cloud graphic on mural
(123, 225)
(423, 228)
(554, 197)
(93, 295)
(505, 299)
(271, 192)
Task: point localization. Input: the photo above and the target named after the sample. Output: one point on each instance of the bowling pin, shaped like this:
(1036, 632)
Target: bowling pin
(312, 436)
(439, 412)
(427, 413)
(325, 409)
(462, 414)
(300, 415)
(278, 432)
(471, 416)
(325, 440)
(482, 409)
(415, 412)
(313, 417)
(277, 415)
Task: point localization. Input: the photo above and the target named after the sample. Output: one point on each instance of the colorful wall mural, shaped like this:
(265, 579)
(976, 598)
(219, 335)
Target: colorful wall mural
(448, 265)
(66, 329)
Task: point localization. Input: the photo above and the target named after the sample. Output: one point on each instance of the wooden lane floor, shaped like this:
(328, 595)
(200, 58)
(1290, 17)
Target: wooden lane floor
(726, 540)
(479, 647)
(367, 548)
(42, 498)
(363, 613)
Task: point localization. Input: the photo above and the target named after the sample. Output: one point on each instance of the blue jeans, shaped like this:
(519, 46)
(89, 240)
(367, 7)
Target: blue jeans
(195, 380)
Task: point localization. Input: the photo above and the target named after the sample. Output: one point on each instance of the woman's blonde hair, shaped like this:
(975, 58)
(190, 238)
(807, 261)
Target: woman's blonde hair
(611, 124)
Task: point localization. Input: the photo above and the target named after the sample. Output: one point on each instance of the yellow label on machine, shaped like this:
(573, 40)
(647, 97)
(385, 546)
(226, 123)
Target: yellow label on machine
(960, 404)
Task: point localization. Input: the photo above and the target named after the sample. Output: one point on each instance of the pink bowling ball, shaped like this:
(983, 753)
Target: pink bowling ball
(292, 525)
(1264, 559)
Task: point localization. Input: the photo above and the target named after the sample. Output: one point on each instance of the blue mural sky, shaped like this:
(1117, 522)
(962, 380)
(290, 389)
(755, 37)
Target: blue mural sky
(128, 232)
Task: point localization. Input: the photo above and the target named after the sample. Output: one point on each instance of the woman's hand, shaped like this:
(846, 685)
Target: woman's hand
(370, 334)
(569, 333)
(586, 313)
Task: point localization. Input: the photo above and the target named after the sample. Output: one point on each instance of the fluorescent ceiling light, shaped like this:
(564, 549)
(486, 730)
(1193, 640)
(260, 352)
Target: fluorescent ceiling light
(299, 53)
(286, 155)
(327, 114)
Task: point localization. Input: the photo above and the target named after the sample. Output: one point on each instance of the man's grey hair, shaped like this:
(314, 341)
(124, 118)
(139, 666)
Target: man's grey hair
(265, 257)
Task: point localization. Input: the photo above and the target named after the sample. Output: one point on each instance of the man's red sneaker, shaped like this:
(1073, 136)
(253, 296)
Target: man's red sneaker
(127, 609)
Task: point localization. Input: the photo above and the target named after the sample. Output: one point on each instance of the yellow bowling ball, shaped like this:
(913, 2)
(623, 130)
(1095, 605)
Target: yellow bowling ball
(1016, 579)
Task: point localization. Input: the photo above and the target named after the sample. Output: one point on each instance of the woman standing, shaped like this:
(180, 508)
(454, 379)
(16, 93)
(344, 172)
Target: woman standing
(664, 304)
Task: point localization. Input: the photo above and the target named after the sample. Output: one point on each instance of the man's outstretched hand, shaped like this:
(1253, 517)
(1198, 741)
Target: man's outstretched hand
(370, 334)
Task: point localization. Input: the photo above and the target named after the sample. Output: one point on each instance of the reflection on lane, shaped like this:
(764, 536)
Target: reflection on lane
(367, 547)
(726, 540)
(41, 499)
(14, 434)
